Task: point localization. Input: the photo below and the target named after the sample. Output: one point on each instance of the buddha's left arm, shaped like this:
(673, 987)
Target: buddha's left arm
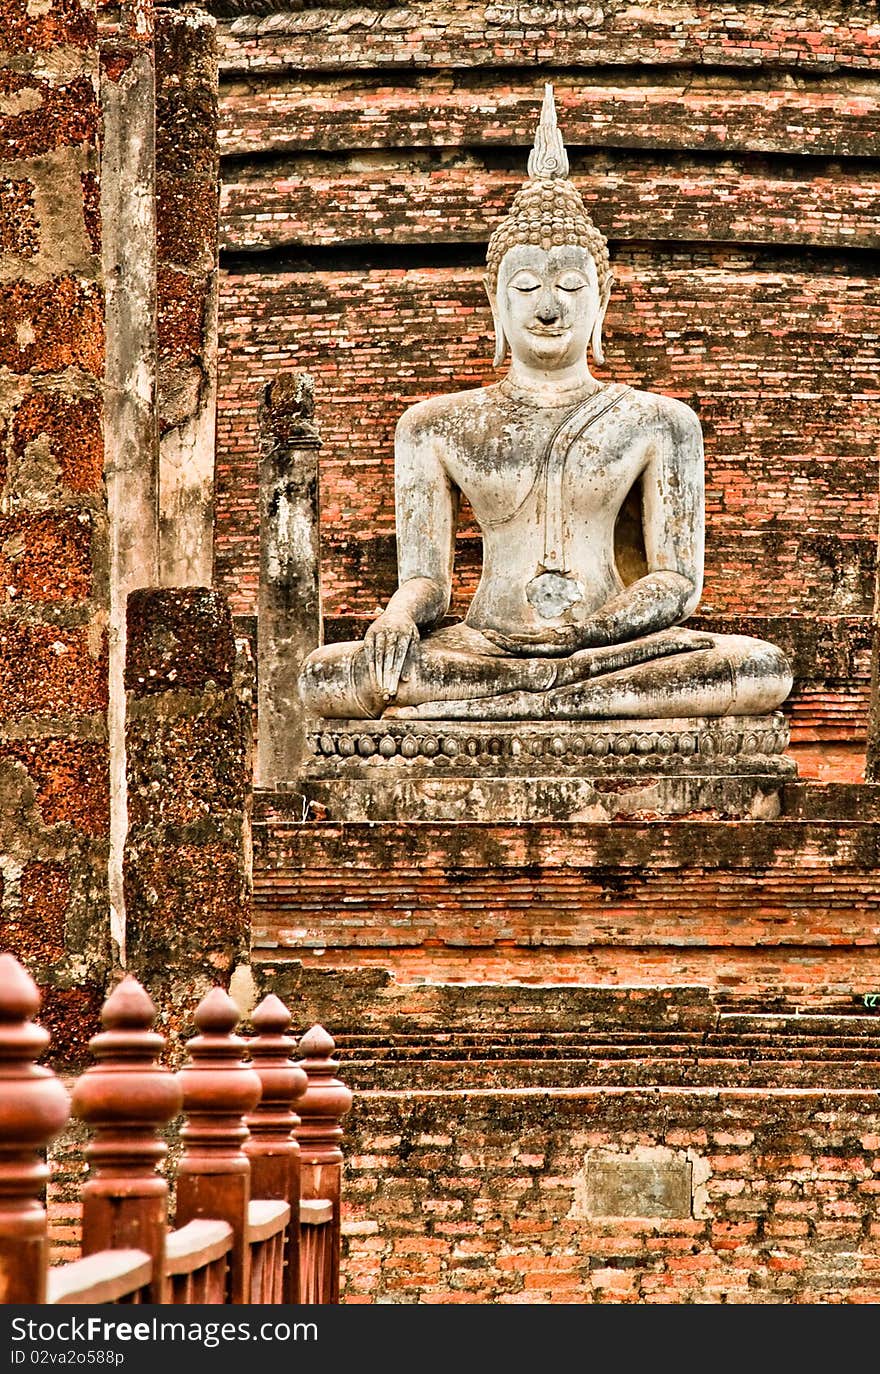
(673, 504)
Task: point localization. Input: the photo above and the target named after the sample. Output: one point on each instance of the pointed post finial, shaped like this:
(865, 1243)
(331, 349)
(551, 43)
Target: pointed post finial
(273, 1149)
(33, 1108)
(548, 159)
(214, 1175)
(127, 1096)
(321, 1107)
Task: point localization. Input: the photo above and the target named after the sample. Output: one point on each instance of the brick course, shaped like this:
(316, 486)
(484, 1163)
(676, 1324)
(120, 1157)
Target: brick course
(476, 1198)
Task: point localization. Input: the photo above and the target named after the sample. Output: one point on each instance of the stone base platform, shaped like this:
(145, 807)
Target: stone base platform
(730, 767)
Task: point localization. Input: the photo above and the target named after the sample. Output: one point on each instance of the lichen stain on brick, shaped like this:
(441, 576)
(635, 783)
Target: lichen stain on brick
(186, 97)
(46, 557)
(115, 62)
(71, 1015)
(186, 135)
(64, 22)
(186, 220)
(34, 932)
(49, 669)
(91, 188)
(72, 428)
(19, 230)
(178, 639)
(192, 912)
(71, 781)
(186, 51)
(182, 770)
(52, 325)
(182, 301)
(63, 116)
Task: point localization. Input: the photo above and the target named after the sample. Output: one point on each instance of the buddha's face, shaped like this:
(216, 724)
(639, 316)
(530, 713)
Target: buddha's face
(548, 303)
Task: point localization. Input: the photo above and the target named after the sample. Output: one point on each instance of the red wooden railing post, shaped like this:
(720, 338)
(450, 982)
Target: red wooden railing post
(33, 1107)
(321, 1108)
(213, 1177)
(125, 1097)
(273, 1149)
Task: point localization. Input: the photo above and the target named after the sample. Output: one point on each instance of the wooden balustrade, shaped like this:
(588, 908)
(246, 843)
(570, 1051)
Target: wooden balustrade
(213, 1176)
(321, 1108)
(197, 1262)
(273, 1149)
(252, 1226)
(125, 1097)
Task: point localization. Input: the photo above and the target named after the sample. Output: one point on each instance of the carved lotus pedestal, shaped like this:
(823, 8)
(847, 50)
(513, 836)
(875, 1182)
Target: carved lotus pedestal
(435, 770)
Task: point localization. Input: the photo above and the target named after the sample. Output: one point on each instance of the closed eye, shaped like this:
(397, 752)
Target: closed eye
(525, 282)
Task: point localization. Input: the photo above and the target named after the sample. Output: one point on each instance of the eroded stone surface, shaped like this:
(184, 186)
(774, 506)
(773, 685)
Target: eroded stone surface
(532, 771)
(647, 1183)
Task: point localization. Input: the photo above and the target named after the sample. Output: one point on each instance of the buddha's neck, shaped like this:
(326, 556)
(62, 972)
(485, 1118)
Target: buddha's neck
(550, 388)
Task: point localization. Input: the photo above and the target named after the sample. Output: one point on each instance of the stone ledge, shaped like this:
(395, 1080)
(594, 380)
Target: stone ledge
(355, 748)
(528, 771)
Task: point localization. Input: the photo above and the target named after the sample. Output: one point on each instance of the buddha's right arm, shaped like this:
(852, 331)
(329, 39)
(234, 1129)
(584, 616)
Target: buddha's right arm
(426, 514)
(426, 509)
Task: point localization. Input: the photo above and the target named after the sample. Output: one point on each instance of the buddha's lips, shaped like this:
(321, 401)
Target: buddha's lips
(548, 333)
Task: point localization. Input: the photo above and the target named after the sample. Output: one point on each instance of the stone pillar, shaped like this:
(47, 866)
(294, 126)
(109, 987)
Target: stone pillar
(289, 621)
(129, 250)
(187, 172)
(187, 855)
(54, 805)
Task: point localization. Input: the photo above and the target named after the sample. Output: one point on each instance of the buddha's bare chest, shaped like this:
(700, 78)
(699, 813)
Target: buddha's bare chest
(524, 474)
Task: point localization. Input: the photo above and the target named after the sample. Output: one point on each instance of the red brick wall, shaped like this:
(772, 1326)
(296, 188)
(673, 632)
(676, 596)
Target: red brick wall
(53, 529)
(456, 1198)
(744, 34)
(723, 150)
(762, 908)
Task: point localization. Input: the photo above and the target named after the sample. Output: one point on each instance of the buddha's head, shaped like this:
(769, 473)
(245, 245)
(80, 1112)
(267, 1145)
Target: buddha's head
(549, 278)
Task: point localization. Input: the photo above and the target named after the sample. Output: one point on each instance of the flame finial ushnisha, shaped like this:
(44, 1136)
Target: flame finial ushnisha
(548, 159)
(548, 211)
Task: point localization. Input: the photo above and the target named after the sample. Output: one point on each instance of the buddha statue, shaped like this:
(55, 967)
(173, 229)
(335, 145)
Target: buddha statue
(589, 498)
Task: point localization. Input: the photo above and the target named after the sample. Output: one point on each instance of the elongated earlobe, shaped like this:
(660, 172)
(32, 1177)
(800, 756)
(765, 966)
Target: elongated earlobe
(596, 338)
(596, 341)
(500, 337)
(500, 343)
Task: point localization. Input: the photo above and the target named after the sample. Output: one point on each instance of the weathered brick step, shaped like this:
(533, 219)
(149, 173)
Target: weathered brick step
(360, 111)
(291, 204)
(740, 1028)
(811, 37)
(363, 1075)
(527, 1041)
(805, 1026)
(845, 801)
(712, 1048)
(648, 1050)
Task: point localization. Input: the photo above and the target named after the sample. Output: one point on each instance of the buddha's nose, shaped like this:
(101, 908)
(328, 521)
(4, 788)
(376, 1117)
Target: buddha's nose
(548, 308)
